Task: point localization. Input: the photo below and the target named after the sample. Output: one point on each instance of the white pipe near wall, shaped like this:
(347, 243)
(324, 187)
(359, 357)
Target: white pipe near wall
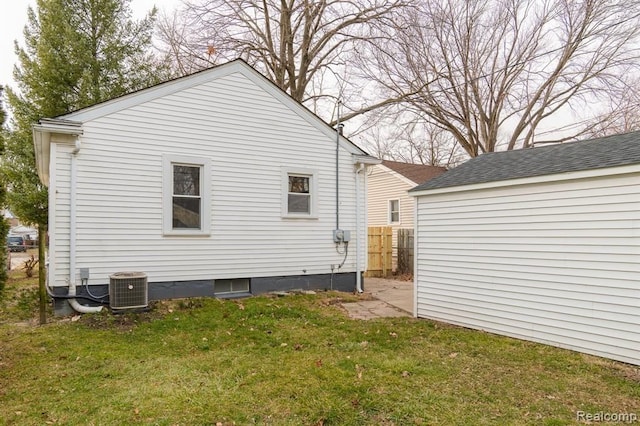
(359, 234)
(72, 236)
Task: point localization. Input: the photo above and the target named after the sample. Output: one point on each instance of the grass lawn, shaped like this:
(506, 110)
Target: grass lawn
(295, 360)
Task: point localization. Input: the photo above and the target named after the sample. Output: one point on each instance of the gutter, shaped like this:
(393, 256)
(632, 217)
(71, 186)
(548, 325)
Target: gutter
(65, 130)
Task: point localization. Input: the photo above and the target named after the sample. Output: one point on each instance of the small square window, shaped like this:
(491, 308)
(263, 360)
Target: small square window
(299, 193)
(299, 196)
(394, 211)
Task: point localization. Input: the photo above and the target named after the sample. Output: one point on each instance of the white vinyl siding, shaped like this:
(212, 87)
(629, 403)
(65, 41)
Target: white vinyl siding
(554, 262)
(249, 137)
(59, 220)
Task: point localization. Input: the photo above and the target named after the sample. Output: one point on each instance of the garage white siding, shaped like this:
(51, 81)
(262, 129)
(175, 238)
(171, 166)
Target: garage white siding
(556, 262)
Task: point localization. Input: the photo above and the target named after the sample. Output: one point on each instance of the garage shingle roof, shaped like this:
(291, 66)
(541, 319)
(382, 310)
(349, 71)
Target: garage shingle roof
(609, 151)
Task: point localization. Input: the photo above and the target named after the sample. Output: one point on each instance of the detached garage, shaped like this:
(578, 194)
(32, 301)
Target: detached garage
(541, 244)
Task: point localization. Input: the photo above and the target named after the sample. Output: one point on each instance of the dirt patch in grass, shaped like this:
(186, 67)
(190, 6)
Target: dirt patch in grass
(130, 319)
(626, 371)
(333, 300)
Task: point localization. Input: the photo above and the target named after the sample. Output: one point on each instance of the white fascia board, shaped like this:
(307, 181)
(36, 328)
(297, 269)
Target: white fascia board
(63, 131)
(59, 126)
(367, 160)
(557, 177)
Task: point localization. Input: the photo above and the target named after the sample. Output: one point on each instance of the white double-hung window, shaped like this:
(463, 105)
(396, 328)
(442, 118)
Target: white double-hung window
(394, 211)
(186, 195)
(299, 193)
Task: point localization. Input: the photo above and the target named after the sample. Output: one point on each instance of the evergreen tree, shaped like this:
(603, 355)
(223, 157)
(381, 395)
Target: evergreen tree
(77, 53)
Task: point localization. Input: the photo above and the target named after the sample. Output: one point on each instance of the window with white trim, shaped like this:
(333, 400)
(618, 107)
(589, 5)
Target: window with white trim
(186, 189)
(394, 211)
(299, 190)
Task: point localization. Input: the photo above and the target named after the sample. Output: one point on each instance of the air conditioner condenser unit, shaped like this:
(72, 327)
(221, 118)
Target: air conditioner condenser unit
(128, 290)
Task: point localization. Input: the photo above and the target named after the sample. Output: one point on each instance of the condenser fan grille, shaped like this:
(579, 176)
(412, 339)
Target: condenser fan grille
(128, 290)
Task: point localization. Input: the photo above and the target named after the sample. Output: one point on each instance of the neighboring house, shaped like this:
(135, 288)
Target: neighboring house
(214, 184)
(388, 203)
(540, 244)
(11, 219)
(26, 232)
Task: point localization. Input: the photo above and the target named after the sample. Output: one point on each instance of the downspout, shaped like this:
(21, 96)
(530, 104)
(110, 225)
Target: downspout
(338, 133)
(416, 232)
(72, 236)
(359, 289)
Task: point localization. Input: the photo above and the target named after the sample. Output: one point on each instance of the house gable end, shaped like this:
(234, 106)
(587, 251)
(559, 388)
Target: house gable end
(202, 77)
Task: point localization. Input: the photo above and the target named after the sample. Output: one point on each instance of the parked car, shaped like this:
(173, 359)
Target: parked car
(16, 243)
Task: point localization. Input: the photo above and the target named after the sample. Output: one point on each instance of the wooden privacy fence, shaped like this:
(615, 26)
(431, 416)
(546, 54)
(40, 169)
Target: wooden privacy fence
(405, 251)
(380, 251)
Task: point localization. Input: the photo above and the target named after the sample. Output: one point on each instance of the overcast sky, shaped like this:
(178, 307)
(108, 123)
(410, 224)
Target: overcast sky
(14, 18)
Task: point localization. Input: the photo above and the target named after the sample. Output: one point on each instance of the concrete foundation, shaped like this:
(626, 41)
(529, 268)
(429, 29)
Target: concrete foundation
(206, 288)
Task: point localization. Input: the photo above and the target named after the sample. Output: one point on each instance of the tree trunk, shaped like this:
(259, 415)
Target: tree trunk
(42, 273)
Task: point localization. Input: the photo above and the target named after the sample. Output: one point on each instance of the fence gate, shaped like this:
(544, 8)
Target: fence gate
(380, 251)
(405, 251)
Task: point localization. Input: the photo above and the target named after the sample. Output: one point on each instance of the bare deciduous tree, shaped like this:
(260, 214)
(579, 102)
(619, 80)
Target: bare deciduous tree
(396, 133)
(174, 34)
(298, 44)
(425, 143)
(622, 113)
(494, 73)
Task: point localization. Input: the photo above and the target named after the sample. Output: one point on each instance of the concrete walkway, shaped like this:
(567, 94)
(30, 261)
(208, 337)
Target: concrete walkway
(394, 298)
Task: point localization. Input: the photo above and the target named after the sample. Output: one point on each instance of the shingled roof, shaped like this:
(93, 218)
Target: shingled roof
(417, 173)
(609, 151)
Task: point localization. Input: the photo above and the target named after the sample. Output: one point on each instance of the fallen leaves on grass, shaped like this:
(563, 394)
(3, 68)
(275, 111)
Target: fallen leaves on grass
(359, 370)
